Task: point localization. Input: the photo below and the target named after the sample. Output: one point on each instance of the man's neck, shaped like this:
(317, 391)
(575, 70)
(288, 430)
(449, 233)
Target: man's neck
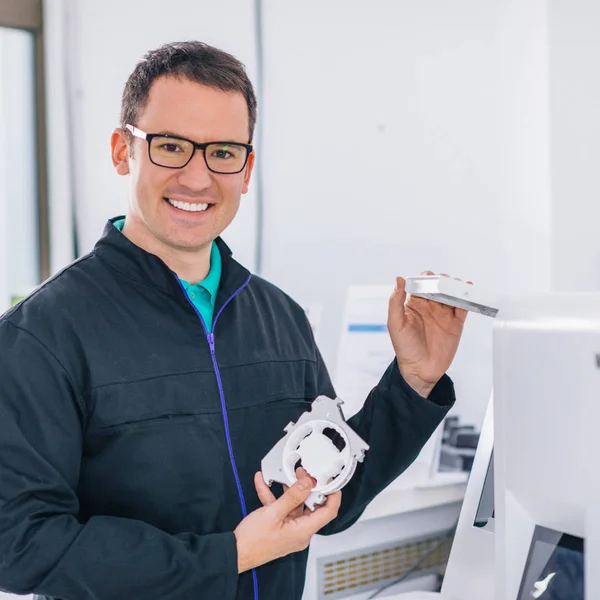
(190, 265)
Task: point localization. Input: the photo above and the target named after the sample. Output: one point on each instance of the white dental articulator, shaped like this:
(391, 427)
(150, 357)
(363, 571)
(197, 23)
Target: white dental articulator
(323, 444)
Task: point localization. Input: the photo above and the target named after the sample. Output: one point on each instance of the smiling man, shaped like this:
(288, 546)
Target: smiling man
(199, 141)
(141, 386)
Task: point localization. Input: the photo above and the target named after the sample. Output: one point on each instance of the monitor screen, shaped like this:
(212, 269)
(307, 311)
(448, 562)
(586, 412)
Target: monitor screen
(554, 568)
(485, 511)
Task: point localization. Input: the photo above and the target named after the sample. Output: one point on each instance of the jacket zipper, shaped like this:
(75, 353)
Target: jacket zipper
(210, 337)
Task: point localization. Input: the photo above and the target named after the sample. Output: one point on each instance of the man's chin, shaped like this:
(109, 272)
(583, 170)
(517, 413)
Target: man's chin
(185, 244)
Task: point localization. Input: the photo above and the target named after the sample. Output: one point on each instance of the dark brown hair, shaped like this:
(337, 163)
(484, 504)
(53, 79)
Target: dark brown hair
(192, 60)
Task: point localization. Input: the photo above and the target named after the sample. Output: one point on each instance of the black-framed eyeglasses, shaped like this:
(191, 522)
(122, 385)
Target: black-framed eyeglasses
(174, 152)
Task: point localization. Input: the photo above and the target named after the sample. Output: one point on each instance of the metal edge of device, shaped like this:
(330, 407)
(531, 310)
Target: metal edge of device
(453, 293)
(323, 408)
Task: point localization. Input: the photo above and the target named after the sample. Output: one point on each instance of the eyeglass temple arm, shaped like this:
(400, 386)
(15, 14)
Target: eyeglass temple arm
(137, 132)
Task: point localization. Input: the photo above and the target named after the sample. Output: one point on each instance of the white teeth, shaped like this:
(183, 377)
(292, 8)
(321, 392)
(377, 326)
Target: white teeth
(193, 207)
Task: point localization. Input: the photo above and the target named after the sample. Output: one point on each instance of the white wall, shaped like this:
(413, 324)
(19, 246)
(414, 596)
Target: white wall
(574, 27)
(403, 136)
(59, 100)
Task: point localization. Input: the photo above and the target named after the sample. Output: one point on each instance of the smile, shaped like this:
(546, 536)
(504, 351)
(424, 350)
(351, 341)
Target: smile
(187, 206)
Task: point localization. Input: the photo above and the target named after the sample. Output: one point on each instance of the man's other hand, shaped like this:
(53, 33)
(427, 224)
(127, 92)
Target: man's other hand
(283, 525)
(425, 335)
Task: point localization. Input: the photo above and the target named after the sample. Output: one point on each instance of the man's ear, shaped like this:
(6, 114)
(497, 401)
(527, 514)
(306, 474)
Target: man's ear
(120, 151)
(248, 173)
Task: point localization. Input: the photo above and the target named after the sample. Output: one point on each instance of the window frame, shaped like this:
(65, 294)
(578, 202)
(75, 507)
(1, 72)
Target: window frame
(28, 15)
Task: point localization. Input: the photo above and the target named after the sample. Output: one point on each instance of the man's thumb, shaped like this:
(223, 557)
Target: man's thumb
(293, 497)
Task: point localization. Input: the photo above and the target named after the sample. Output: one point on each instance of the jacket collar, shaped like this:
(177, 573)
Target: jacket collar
(149, 270)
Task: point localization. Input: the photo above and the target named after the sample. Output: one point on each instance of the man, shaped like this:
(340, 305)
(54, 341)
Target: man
(141, 386)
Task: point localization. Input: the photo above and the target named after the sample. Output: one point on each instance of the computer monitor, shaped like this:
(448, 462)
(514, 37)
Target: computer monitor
(555, 567)
(470, 571)
(486, 511)
(545, 373)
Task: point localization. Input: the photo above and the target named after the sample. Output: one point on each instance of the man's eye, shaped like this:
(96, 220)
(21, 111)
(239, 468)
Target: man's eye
(222, 154)
(170, 147)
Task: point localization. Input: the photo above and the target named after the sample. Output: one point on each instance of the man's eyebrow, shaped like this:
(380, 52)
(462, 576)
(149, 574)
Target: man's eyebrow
(172, 133)
(178, 135)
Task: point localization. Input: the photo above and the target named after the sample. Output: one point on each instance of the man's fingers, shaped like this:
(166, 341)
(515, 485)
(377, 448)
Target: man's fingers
(396, 305)
(461, 314)
(326, 513)
(265, 495)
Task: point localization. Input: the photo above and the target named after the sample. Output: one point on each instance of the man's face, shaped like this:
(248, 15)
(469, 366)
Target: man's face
(187, 109)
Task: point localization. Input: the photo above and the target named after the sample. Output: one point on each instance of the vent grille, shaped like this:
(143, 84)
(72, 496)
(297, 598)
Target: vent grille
(367, 569)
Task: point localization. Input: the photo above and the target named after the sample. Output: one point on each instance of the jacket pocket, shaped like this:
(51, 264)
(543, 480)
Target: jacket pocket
(267, 382)
(165, 397)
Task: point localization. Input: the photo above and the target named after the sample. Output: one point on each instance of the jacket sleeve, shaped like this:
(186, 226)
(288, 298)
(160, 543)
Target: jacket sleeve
(396, 422)
(44, 548)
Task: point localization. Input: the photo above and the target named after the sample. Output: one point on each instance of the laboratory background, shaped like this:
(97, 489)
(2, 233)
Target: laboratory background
(393, 137)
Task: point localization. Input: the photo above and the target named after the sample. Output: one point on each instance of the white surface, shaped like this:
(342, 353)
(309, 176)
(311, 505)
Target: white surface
(470, 573)
(544, 373)
(410, 492)
(574, 47)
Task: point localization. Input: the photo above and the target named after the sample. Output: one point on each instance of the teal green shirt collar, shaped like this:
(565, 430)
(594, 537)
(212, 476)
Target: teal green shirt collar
(204, 293)
(211, 282)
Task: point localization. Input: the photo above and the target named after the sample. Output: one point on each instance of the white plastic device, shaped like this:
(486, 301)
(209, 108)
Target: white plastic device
(325, 446)
(453, 292)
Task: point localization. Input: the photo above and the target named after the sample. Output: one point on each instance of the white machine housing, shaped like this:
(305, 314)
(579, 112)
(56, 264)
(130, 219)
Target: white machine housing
(545, 372)
(470, 572)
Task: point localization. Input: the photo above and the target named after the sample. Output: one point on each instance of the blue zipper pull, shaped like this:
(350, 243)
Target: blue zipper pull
(211, 342)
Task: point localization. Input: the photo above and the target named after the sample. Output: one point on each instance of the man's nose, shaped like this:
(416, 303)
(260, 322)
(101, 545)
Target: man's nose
(196, 175)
